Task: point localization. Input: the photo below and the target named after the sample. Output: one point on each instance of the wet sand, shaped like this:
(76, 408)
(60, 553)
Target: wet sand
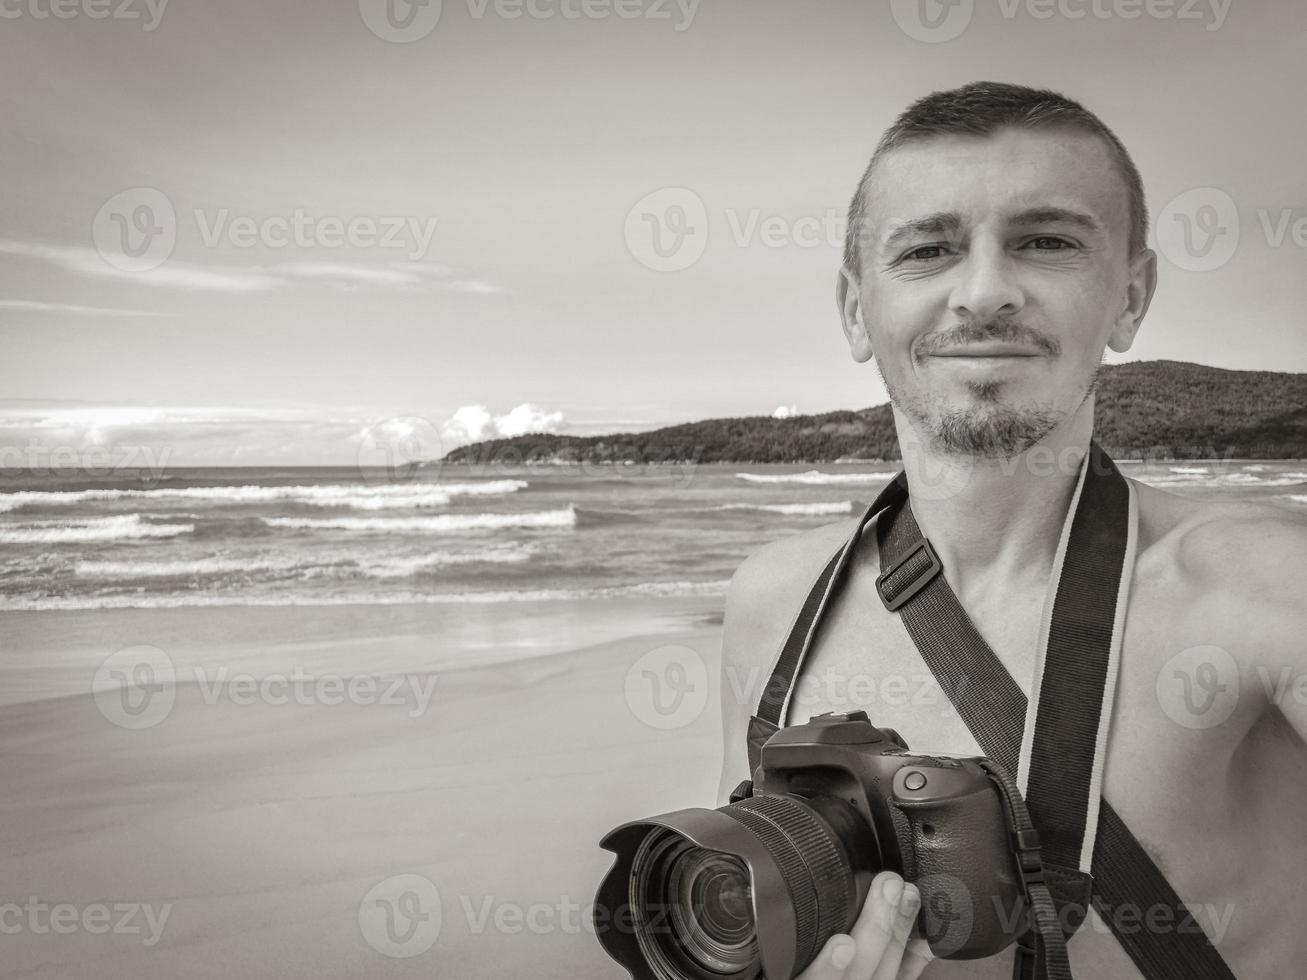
(268, 823)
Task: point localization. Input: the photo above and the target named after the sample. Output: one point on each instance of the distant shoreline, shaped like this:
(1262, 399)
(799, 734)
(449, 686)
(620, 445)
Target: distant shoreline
(433, 466)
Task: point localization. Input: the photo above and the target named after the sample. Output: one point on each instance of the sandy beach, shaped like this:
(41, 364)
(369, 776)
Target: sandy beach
(270, 821)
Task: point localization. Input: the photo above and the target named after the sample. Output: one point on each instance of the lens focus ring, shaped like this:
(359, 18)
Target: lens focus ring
(811, 863)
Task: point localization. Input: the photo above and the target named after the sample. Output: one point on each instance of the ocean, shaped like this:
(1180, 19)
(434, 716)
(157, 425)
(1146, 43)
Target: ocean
(448, 533)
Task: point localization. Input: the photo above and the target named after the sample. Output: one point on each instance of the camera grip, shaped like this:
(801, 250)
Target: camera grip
(972, 901)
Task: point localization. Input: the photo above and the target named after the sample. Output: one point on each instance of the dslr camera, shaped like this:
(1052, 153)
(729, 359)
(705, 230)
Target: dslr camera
(756, 888)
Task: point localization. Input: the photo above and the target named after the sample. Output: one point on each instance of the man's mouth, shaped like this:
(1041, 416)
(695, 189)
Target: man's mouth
(988, 350)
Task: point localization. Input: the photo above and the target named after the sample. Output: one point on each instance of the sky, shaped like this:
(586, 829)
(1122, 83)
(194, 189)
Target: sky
(267, 232)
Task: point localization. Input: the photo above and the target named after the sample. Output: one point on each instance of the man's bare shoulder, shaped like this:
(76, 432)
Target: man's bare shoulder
(1239, 544)
(768, 589)
(765, 596)
(1235, 567)
(782, 571)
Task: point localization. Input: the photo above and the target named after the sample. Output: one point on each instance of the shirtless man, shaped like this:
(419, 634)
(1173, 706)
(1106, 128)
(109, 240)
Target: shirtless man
(996, 248)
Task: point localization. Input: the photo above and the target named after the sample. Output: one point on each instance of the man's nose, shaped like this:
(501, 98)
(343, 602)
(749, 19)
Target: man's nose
(987, 286)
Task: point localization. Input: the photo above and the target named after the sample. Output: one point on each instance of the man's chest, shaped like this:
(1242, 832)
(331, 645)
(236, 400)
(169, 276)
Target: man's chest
(1172, 741)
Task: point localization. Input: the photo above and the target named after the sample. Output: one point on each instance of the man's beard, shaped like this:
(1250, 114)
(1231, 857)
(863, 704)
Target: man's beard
(991, 430)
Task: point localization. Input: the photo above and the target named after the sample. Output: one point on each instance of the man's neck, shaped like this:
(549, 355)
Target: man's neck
(996, 522)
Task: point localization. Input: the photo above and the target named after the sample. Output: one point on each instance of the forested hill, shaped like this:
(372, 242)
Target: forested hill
(1157, 409)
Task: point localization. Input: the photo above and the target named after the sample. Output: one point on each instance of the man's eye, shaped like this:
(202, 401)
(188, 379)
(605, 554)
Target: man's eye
(924, 253)
(1049, 243)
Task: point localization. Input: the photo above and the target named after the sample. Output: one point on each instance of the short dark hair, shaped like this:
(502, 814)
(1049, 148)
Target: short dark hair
(982, 109)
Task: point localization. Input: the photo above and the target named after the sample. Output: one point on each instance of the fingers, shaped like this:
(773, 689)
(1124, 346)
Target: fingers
(916, 957)
(878, 947)
(883, 934)
(833, 961)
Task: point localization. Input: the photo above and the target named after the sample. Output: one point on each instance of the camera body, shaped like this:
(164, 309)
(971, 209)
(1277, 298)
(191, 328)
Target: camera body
(937, 821)
(755, 888)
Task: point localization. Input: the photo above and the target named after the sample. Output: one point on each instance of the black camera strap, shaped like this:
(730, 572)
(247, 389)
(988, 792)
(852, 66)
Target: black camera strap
(1059, 761)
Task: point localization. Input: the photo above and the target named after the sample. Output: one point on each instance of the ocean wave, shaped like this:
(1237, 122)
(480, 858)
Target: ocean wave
(593, 517)
(121, 527)
(213, 565)
(402, 566)
(1194, 478)
(565, 517)
(387, 597)
(352, 495)
(816, 477)
(813, 509)
(1188, 469)
(407, 566)
(1300, 498)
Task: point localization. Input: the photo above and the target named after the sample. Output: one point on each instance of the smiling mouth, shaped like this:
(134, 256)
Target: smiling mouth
(988, 352)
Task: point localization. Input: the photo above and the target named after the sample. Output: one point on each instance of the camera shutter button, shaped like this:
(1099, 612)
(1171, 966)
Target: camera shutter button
(914, 780)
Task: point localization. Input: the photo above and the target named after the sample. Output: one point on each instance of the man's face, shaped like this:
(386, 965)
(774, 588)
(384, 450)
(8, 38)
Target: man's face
(994, 272)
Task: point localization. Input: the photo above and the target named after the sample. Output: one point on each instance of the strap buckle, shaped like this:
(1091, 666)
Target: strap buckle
(1026, 845)
(922, 579)
(1025, 960)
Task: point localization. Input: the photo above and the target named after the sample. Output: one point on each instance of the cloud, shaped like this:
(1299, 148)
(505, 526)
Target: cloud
(38, 436)
(88, 262)
(35, 306)
(31, 434)
(474, 286)
(409, 276)
(528, 418)
(176, 274)
(785, 412)
(473, 423)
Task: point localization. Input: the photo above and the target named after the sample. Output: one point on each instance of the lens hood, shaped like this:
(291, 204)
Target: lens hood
(619, 915)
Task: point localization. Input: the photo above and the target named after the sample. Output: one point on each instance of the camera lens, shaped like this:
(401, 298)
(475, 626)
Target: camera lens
(713, 908)
(693, 909)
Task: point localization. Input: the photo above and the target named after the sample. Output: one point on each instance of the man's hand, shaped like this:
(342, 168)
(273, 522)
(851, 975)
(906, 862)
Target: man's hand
(879, 947)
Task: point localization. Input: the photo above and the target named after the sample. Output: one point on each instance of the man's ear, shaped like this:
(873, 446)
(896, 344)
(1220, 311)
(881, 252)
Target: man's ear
(850, 305)
(1139, 294)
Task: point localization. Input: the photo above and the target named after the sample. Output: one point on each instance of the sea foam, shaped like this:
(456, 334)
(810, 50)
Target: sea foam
(816, 477)
(123, 526)
(565, 517)
(352, 495)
